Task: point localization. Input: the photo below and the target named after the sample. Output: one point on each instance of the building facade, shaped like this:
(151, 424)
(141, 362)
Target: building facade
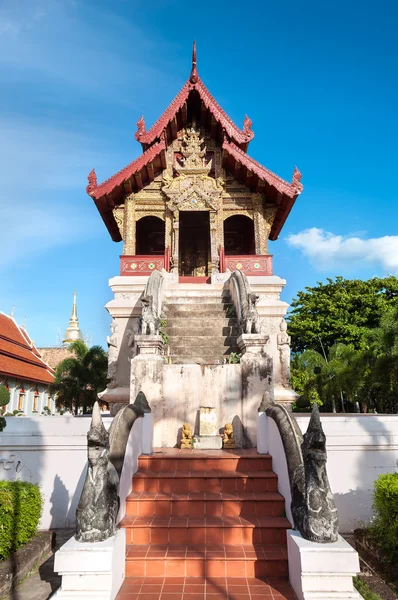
(23, 371)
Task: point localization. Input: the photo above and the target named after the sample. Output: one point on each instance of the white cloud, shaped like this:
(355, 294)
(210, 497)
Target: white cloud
(326, 250)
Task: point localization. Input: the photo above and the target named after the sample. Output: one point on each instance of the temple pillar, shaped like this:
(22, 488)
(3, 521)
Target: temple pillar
(168, 242)
(213, 243)
(176, 241)
(260, 234)
(129, 239)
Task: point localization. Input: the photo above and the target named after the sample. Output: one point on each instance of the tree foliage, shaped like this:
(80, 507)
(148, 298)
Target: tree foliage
(339, 311)
(79, 378)
(343, 374)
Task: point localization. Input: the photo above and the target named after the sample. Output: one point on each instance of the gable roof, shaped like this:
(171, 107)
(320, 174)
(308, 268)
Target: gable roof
(234, 142)
(240, 136)
(18, 355)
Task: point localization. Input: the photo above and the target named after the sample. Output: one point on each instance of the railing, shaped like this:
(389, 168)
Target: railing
(144, 264)
(250, 264)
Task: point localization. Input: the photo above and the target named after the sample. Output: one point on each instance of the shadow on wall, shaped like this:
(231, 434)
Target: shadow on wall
(63, 509)
(370, 466)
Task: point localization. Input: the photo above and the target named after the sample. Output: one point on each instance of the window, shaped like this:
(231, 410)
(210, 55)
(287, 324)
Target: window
(20, 400)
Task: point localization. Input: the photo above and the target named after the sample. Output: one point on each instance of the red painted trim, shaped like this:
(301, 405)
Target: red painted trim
(249, 264)
(140, 264)
(192, 279)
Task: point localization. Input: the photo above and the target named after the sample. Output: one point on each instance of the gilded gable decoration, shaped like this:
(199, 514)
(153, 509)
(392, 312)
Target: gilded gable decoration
(118, 213)
(193, 188)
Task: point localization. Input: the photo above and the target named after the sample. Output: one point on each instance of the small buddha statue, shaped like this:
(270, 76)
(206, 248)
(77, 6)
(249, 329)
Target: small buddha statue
(229, 440)
(186, 436)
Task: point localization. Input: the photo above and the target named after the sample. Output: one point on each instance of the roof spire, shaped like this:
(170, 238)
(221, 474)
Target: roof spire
(193, 78)
(73, 332)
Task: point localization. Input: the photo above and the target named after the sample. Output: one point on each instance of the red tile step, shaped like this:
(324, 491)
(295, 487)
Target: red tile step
(183, 482)
(205, 504)
(206, 561)
(202, 588)
(208, 530)
(174, 459)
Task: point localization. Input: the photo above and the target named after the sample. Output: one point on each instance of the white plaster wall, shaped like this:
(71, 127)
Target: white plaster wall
(359, 449)
(50, 451)
(188, 387)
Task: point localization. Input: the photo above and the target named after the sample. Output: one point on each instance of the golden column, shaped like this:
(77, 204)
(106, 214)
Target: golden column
(129, 239)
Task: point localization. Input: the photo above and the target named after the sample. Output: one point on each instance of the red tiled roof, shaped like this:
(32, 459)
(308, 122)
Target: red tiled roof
(262, 173)
(18, 355)
(134, 167)
(240, 136)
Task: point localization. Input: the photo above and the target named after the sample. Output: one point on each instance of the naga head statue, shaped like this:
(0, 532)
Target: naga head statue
(97, 439)
(314, 439)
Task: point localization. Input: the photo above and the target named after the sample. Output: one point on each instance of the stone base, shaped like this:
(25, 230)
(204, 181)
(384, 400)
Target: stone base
(321, 571)
(208, 442)
(252, 343)
(149, 345)
(91, 570)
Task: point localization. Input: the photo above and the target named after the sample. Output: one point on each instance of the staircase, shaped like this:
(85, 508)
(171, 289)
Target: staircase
(201, 324)
(208, 523)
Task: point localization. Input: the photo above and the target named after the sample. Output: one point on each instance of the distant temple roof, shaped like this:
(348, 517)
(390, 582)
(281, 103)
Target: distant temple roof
(155, 141)
(19, 357)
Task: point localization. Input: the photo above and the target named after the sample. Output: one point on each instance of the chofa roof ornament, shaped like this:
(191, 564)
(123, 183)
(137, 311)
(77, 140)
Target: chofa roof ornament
(193, 78)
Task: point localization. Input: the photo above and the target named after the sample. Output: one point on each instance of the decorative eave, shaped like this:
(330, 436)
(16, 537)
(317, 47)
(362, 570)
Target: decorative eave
(251, 173)
(173, 114)
(131, 178)
(242, 137)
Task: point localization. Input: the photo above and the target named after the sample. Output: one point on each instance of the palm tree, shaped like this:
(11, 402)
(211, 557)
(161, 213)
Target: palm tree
(381, 354)
(327, 377)
(79, 378)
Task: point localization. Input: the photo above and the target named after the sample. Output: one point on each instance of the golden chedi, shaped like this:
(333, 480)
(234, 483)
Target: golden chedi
(229, 440)
(186, 436)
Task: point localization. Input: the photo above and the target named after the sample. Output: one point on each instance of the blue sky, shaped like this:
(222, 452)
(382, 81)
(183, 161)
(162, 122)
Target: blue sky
(319, 81)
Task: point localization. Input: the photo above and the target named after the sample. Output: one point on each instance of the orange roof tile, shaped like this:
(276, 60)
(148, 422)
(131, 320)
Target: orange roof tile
(18, 356)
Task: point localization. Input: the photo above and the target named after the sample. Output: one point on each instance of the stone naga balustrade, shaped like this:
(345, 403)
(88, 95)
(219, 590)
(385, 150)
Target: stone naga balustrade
(244, 302)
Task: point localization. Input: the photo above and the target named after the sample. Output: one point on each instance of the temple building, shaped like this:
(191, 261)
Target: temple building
(195, 208)
(22, 370)
(194, 202)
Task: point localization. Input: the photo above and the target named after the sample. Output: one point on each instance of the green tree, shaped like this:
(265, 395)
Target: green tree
(339, 311)
(79, 378)
(380, 362)
(4, 400)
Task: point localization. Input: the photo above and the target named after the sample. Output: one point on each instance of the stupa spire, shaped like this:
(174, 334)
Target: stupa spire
(193, 78)
(73, 332)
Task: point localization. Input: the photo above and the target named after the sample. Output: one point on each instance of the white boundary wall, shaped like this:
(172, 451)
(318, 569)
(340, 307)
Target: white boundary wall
(52, 451)
(359, 447)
